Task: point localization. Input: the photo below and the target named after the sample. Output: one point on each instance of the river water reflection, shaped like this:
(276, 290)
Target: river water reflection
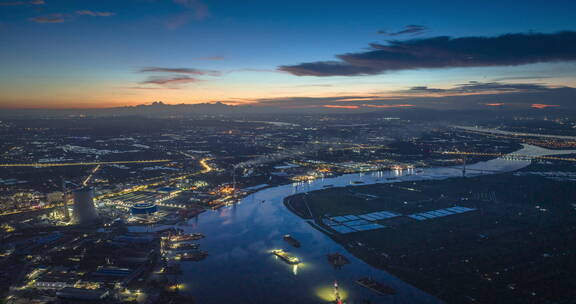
(240, 268)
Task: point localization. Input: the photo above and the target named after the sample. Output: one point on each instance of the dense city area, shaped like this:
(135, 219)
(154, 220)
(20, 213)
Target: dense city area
(110, 209)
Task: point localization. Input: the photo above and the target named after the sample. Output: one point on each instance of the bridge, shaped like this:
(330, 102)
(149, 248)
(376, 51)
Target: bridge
(510, 156)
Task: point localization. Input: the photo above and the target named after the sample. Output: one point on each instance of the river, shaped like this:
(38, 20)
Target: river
(240, 268)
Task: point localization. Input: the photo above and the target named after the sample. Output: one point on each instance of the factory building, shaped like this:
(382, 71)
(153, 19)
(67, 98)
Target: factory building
(84, 210)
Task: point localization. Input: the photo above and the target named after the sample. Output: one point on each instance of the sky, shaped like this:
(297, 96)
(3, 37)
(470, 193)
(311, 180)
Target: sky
(334, 54)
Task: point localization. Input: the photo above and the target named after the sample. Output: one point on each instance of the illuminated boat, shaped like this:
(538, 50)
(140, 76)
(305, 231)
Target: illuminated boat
(186, 237)
(194, 255)
(376, 286)
(286, 257)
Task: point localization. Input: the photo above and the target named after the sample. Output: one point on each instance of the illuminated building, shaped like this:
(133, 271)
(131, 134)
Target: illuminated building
(143, 209)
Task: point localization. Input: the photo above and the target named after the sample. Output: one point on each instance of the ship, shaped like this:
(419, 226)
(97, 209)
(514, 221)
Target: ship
(357, 182)
(292, 241)
(337, 260)
(376, 286)
(328, 186)
(194, 255)
(186, 237)
(286, 257)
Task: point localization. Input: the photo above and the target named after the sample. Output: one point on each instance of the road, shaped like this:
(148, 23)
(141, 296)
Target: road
(40, 165)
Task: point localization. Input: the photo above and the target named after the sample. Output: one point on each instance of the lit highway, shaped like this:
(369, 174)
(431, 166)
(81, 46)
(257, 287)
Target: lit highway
(87, 180)
(40, 165)
(205, 169)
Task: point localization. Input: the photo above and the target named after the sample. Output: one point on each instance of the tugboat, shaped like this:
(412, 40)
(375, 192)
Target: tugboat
(338, 298)
(292, 241)
(376, 286)
(337, 260)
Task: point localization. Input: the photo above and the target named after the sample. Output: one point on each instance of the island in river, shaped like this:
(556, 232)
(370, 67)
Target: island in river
(503, 238)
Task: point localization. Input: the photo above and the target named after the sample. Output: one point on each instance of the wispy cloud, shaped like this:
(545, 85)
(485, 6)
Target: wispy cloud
(170, 81)
(149, 88)
(388, 106)
(445, 52)
(542, 106)
(54, 18)
(94, 13)
(411, 29)
(200, 9)
(496, 104)
(475, 87)
(19, 3)
(535, 77)
(470, 95)
(194, 10)
(191, 71)
(341, 107)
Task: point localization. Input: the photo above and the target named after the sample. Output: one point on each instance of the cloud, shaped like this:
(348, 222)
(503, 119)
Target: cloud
(341, 107)
(469, 95)
(148, 88)
(54, 18)
(195, 10)
(19, 3)
(388, 106)
(180, 71)
(475, 87)
(445, 52)
(412, 30)
(542, 106)
(524, 77)
(94, 13)
(170, 81)
(200, 9)
(496, 104)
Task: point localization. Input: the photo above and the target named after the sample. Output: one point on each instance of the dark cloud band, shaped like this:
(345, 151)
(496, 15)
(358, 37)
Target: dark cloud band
(445, 52)
(179, 70)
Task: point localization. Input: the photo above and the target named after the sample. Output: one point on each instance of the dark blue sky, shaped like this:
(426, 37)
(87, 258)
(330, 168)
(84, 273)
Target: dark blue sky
(57, 53)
